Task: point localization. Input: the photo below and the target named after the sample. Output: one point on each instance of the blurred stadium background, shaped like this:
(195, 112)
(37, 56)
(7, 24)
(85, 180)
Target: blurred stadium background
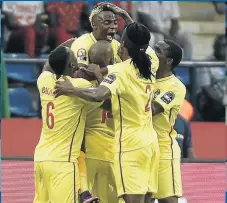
(30, 30)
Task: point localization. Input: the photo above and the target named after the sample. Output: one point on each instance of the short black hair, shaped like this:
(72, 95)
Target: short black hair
(58, 59)
(175, 52)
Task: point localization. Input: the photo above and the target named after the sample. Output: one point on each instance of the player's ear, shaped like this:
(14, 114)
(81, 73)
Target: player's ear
(169, 61)
(94, 25)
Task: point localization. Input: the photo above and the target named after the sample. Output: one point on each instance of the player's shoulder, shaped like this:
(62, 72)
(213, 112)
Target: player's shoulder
(154, 59)
(121, 67)
(80, 82)
(44, 76)
(178, 84)
(171, 83)
(83, 37)
(151, 53)
(82, 42)
(150, 50)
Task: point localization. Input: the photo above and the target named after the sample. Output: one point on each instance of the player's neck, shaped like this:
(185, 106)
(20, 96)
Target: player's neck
(163, 74)
(95, 36)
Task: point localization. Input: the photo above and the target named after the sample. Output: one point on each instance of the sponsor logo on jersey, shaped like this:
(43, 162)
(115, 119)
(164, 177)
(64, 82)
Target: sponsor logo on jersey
(110, 79)
(168, 97)
(82, 55)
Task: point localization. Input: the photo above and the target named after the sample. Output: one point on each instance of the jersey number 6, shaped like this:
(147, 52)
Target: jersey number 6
(148, 90)
(50, 115)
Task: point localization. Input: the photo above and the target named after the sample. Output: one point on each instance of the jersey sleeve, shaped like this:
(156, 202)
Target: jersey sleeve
(168, 99)
(115, 80)
(81, 49)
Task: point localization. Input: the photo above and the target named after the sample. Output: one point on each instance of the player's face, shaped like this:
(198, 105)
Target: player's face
(107, 25)
(161, 50)
(73, 65)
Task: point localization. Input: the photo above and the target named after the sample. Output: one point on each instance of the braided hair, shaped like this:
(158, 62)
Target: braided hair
(136, 39)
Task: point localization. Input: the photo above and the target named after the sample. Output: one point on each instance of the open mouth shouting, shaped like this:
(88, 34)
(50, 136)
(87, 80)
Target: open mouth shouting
(110, 36)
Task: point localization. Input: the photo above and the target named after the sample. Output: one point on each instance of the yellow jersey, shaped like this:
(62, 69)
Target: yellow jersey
(99, 129)
(63, 121)
(131, 104)
(81, 47)
(169, 92)
(99, 134)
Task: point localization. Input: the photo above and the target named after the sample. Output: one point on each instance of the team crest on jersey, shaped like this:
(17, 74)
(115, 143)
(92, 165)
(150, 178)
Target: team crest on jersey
(156, 93)
(168, 97)
(82, 55)
(110, 79)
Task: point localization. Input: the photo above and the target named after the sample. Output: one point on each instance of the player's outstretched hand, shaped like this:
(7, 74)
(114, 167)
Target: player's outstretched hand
(63, 88)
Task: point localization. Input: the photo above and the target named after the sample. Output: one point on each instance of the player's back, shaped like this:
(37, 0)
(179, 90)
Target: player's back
(99, 131)
(82, 45)
(169, 92)
(131, 106)
(63, 121)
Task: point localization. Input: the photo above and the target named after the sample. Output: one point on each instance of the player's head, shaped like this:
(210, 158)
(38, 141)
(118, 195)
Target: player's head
(62, 61)
(134, 43)
(101, 53)
(169, 53)
(104, 23)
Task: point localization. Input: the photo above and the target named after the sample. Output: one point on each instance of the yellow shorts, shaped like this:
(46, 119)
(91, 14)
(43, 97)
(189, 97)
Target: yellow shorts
(136, 172)
(169, 179)
(57, 182)
(101, 180)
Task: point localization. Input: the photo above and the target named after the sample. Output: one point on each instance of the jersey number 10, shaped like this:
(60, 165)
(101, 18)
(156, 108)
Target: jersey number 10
(148, 90)
(50, 115)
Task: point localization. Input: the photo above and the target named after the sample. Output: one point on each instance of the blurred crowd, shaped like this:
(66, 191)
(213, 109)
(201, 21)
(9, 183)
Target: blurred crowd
(36, 28)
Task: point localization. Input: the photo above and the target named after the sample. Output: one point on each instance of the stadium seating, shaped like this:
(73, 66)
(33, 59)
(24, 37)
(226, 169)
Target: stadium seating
(44, 56)
(21, 72)
(183, 74)
(21, 103)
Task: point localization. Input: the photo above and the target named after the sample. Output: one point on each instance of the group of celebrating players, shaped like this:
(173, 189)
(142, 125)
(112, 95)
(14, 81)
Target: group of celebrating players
(108, 111)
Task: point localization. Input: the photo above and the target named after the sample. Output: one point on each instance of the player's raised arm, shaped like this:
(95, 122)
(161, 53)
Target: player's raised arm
(113, 84)
(117, 10)
(122, 13)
